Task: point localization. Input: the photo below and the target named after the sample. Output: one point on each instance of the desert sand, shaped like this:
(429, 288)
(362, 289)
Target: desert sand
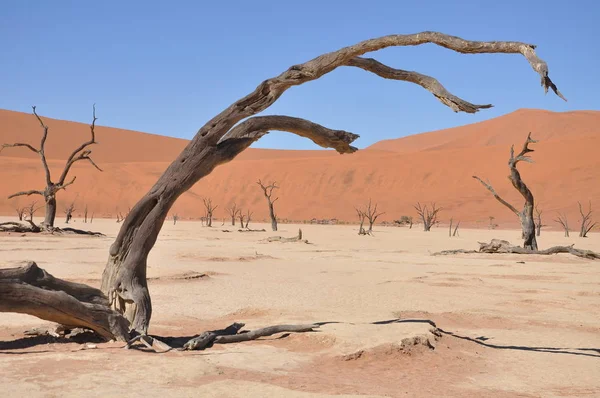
(509, 325)
(428, 167)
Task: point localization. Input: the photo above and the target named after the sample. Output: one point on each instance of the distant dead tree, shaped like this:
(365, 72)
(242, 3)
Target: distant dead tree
(20, 212)
(85, 214)
(209, 210)
(562, 220)
(242, 217)
(49, 193)
(92, 218)
(268, 192)
(371, 214)
(586, 220)
(428, 215)
(69, 212)
(248, 218)
(538, 221)
(526, 215)
(233, 211)
(361, 217)
(492, 224)
(31, 209)
(120, 216)
(405, 220)
(455, 233)
(175, 218)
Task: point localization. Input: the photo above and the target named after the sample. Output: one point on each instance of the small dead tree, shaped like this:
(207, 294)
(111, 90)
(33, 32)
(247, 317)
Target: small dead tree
(428, 215)
(92, 218)
(371, 214)
(248, 218)
(52, 188)
(361, 217)
(20, 212)
(493, 225)
(268, 192)
(526, 215)
(242, 217)
(455, 233)
(85, 214)
(562, 220)
(31, 209)
(233, 211)
(69, 212)
(175, 218)
(586, 220)
(538, 221)
(209, 210)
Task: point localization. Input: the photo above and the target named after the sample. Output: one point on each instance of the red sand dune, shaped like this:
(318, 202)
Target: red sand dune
(435, 166)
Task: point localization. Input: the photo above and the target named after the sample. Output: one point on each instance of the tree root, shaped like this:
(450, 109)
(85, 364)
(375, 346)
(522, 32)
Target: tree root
(503, 246)
(297, 238)
(231, 334)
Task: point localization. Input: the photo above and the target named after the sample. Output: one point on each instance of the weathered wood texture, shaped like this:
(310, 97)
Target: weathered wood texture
(31, 290)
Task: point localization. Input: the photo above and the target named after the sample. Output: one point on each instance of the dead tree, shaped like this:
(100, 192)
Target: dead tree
(233, 211)
(92, 218)
(20, 212)
(248, 218)
(209, 209)
(233, 130)
(85, 214)
(428, 215)
(493, 225)
(361, 217)
(31, 209)
(268, 192)
(52, 188)
(69, 212)
(455, 233)
(526, 215)
(175, 218)
(538, 221)
(562, 220)
(242, 217)
(586, 221)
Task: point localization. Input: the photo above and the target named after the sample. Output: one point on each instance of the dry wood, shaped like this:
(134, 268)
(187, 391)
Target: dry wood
(218, 142)
(503, 246)
(297, 238)
(49, 193)
(428, 215)
(31, 290)
(526, 215)
(586, 221)
(11, 226)
(268, 189)
(562, 220)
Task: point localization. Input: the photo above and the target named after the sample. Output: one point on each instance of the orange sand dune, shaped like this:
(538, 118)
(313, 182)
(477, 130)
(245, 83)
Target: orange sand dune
(435, 166)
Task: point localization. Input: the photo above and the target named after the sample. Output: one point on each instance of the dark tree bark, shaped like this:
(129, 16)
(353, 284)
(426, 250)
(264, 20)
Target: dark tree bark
(268, 192)
(526, 215)
(31, 290)
(586, 221)
(52, 188)
(562, 220)
(427, 215)
(218, 142)
(209, 209)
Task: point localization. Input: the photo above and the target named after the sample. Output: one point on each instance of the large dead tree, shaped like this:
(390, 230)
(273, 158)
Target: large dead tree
(209, 210)
(234, 129)
(586, 220)
(268, 192)
(526, 215)
(52, 188)
(428, 215)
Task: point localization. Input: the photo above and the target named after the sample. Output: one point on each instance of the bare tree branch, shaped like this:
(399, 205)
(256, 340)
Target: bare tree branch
(22, 193)
(586, 220)
(562, 220)
(493, 191)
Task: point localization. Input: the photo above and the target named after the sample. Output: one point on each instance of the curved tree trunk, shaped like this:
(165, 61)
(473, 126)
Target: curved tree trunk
(50, 211)
(218, 142)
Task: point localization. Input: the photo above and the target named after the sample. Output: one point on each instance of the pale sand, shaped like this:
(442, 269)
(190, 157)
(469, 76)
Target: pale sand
(550, 302)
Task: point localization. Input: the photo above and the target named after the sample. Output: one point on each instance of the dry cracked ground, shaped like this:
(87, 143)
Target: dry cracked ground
(395, 320)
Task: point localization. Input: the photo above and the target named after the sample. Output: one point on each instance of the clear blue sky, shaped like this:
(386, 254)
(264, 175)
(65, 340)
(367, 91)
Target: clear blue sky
(166, 67)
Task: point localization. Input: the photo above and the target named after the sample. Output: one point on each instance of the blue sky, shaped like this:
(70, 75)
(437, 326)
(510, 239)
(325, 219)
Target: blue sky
(167, 67)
